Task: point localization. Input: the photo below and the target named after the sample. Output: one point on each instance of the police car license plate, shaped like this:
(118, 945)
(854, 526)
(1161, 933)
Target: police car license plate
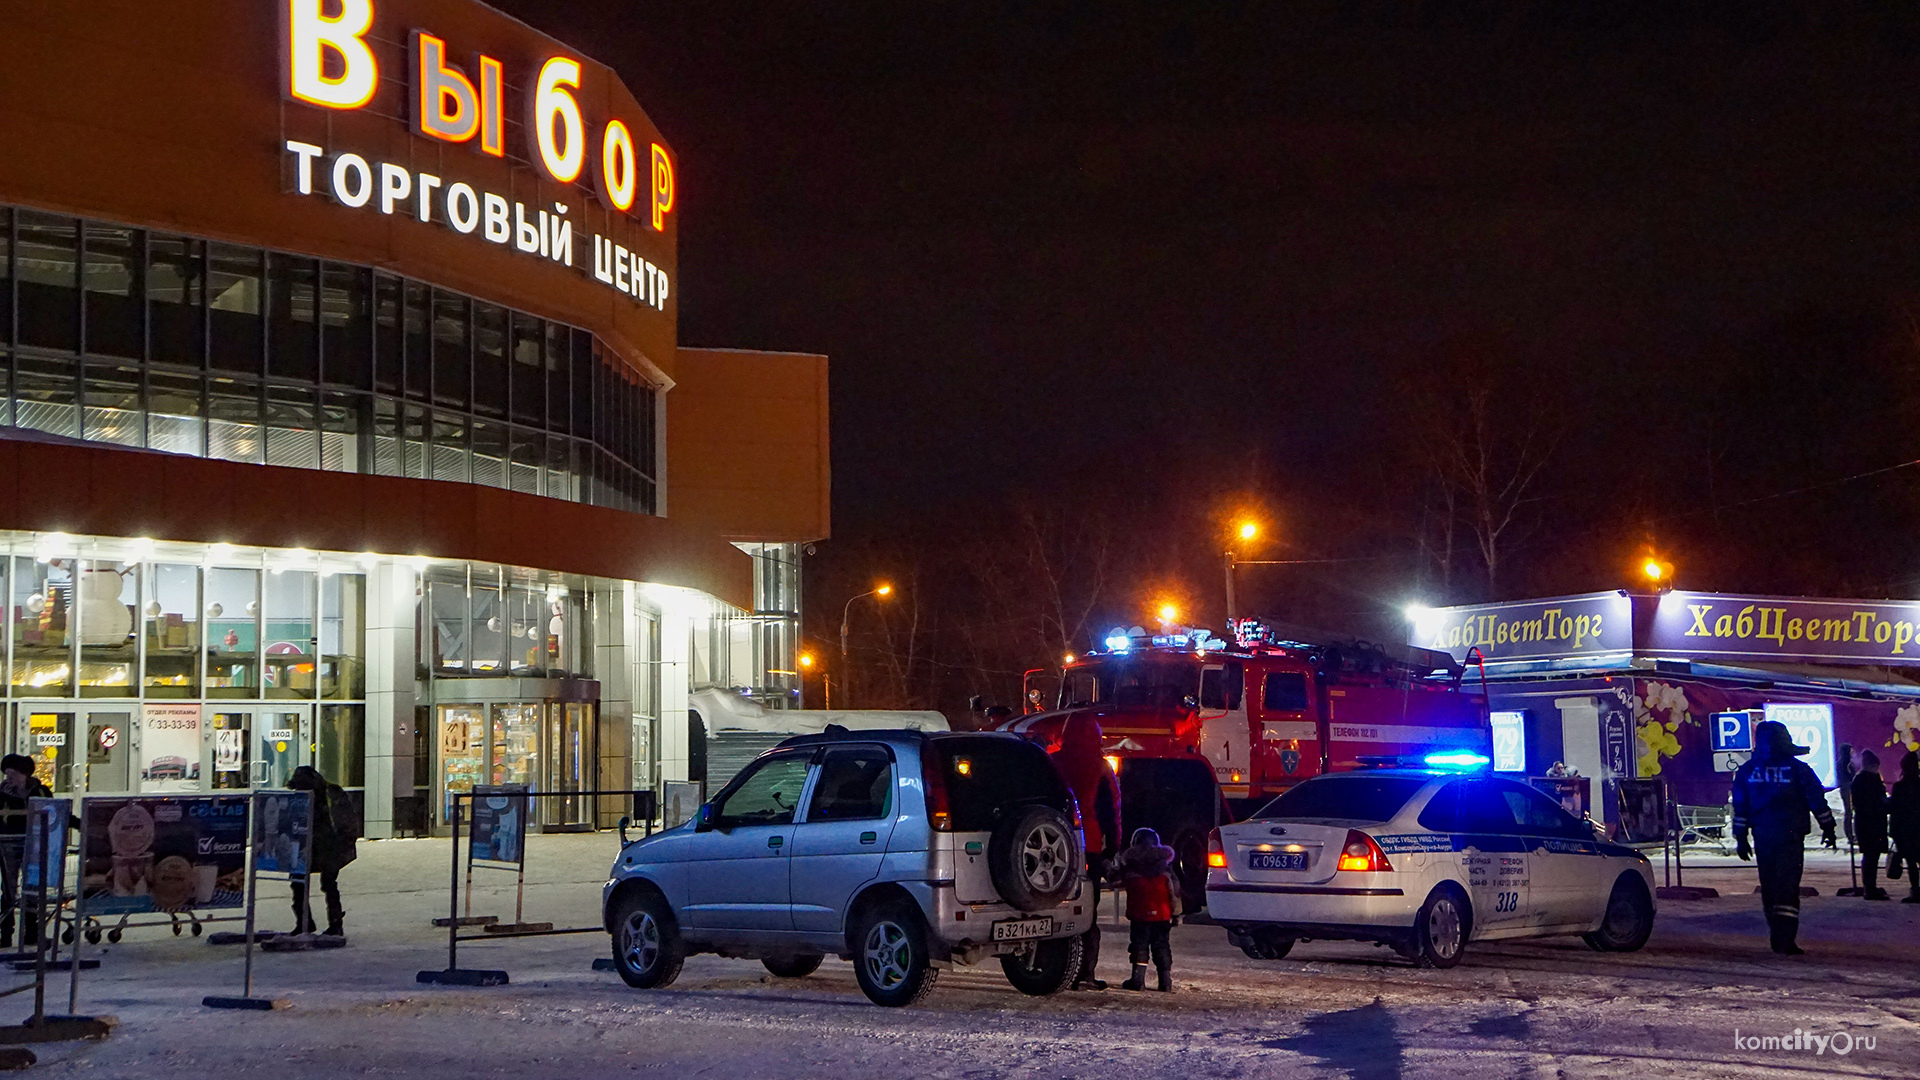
(1277, 860)
(1022, 929)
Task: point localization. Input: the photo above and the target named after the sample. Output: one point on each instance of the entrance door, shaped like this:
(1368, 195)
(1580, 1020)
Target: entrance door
(568, 765)
(232, 749)
(462, 731)
(109, 746)
(79, 750)
(47, 736)
(258, 747)
(282, 742)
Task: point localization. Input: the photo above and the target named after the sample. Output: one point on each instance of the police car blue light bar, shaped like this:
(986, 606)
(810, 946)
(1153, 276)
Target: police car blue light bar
(1457, 759)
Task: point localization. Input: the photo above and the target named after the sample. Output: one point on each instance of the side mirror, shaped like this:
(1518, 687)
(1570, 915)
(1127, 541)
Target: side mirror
(624, 822)
(703, 821)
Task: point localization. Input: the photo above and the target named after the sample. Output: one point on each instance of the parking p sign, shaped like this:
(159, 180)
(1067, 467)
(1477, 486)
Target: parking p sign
(1732, 731)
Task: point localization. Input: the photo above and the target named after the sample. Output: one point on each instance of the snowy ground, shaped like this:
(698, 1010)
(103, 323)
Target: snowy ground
(1548, 1008)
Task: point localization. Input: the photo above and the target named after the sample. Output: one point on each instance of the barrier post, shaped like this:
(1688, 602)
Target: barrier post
(453, 894)
(255, 840)
(455, 975)
(42, 1027)
(79, 919)
(458, 976)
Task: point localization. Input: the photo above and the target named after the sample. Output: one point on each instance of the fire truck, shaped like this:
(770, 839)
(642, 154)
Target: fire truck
(1200, 730)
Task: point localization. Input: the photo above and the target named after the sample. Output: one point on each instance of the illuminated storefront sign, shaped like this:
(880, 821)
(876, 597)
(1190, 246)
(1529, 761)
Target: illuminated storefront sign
(327, 62)
(1567, 627)
(1811, 725)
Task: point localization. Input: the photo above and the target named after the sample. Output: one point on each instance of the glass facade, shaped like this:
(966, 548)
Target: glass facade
(182, 667)
(144, 339)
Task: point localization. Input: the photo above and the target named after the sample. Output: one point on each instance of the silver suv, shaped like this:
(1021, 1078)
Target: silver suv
(902, 851)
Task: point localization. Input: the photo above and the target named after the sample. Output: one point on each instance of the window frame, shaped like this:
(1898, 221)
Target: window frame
(818, 780)
(722, 822)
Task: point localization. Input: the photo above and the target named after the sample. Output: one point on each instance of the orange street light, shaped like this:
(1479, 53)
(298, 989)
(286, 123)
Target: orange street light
(1249, 530)
(1169, 613)
(882, 590)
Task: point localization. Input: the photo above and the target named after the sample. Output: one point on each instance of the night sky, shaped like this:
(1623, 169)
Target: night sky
(1187, 246)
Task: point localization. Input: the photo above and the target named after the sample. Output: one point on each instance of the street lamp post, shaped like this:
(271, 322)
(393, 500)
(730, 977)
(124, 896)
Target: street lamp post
(1248, 530)
(882, 591)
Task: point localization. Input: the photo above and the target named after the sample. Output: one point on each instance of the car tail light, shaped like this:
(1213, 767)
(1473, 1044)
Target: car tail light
(1362, 853)
(934, 785)
(1216, 854)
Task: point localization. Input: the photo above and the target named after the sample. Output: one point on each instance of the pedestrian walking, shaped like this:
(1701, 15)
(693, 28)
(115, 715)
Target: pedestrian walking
(336, 825)
(17, 785)
(1870, 823)
(1145, 869)
(1772, 795)
(1903, 823)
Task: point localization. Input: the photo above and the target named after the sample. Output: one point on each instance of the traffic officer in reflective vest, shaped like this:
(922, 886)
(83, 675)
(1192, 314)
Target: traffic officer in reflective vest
(1772, 794)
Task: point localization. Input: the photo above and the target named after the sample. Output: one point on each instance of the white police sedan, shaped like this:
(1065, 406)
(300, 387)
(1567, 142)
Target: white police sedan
(1424, 861)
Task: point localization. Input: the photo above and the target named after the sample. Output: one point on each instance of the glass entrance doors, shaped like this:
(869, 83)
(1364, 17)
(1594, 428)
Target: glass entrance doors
(258, 747)
(547, 745)
(569, 764)
(78, 750)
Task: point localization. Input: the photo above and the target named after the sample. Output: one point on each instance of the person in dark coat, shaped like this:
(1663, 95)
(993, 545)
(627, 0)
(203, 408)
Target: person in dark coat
(336, 826)
(1870, 823)
(1903, 822)
(1078, 755)
(1772, 795)
(1143, 869)
(17, 785)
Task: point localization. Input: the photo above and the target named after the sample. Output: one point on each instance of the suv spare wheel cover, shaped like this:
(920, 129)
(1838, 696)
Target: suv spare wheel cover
(1034, 858)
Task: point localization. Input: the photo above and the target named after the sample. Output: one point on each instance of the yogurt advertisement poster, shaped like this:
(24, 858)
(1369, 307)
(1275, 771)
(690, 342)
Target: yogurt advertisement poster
(165, 853)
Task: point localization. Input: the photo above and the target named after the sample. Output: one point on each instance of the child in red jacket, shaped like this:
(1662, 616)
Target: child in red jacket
(1143, 869)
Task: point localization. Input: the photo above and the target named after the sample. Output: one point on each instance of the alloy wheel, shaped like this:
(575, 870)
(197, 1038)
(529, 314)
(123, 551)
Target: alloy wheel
(643, 941)
(1046, 857)
(888, 954)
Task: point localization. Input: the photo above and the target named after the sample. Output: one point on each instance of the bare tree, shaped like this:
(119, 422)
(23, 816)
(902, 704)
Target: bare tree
(1484, 432)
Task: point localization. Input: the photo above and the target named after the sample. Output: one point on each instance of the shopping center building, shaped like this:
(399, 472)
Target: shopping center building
(346, 420)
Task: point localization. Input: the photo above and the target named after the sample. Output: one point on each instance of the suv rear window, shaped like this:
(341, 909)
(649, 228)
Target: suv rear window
(986, 776)
(1347, 798)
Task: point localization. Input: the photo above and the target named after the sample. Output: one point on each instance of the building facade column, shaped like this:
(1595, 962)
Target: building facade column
(392, 603)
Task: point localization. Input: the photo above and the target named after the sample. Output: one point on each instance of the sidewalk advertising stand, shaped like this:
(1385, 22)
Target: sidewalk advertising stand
(497, 839)
(1648, 815)
(282, 848)
(173, 857)
(42, 889)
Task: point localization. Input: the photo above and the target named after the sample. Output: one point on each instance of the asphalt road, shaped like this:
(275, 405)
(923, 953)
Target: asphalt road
(1545, 1008)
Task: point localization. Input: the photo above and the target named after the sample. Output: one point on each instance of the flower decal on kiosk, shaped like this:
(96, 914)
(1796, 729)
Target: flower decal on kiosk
(1658, 738)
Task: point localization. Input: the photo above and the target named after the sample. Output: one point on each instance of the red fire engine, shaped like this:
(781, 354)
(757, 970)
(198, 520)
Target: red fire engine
(1199, 729)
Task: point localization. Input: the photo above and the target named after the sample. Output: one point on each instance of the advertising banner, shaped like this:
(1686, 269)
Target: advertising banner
(164, 853)
(170, 748)
(1566, 627)
(499, 823)
(46, 852)
(1643, 811)
(1509, 741)
(282, 832)
(1785, 628)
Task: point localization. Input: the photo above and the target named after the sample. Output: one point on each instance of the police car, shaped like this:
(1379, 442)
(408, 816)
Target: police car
(1423, 860)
